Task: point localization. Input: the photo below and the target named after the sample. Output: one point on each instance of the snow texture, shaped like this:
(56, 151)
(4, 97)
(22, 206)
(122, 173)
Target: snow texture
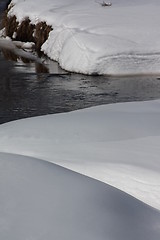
(39, 200)
(88, 38)
(117, 144)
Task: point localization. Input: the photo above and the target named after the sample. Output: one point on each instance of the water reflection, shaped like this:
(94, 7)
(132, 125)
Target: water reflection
(39, 68)
(31, 86)
(26, 89)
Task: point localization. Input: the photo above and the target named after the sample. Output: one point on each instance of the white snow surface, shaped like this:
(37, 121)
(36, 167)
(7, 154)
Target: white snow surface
(88, 38)
(39, 200)
(118, 144)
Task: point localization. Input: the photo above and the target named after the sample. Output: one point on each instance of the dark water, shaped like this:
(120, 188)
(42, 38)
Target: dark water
(25, 93)
(27, 90)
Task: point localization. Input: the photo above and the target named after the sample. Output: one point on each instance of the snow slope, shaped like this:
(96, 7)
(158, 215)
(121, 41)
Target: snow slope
(89, 38)
(117, 144)
(39, 200)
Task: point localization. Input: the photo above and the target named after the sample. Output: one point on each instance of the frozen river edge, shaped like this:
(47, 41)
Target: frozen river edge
(117, 144)
(110, 43)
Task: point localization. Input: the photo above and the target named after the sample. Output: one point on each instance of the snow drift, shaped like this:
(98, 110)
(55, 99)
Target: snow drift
(39, 200)
(88, 38)
(117, 144)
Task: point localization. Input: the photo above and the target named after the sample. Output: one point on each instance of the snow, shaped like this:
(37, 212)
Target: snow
(88, 38)
(40, 200)
(117, 144)
(17, 48)
(55, 169)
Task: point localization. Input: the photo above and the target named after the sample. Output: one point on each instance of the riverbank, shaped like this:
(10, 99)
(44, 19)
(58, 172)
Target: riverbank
(85, 37)
(116, 144)
(25, 31)
(31, 89)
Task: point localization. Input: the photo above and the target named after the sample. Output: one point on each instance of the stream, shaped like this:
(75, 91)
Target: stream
(30, 89)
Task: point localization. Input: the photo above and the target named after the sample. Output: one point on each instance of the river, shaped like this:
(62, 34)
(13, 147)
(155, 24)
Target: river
(27, 89)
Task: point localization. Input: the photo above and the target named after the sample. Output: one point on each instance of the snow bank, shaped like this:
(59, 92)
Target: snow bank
(117, 144)
(88, 38)
(40, 201)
